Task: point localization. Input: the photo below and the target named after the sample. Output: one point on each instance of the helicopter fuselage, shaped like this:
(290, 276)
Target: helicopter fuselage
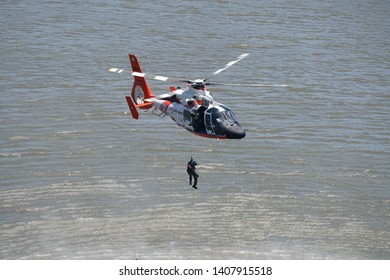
(197, 112)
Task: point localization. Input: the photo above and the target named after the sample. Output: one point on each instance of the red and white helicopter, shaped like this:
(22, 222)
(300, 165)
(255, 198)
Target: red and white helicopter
(193, 109)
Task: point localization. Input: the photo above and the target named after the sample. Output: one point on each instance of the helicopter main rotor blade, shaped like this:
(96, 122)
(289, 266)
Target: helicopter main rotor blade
(146, 75)
(231, 63)
(118, 70)
(155, 77)
(248, 85)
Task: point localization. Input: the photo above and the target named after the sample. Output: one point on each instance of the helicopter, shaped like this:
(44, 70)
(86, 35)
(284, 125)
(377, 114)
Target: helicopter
(194, 109)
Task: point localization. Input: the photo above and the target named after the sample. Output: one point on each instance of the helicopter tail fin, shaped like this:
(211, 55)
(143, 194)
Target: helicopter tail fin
(133, 108)
(140, 91)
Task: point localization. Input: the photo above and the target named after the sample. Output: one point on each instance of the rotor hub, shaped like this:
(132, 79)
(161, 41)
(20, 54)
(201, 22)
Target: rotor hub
(198, 84)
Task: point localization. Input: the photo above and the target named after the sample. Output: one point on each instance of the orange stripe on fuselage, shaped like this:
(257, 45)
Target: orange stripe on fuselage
(164, 106)
(205, 135)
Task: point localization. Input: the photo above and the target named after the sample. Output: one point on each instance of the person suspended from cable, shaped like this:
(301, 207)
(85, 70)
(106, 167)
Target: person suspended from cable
(191, 170)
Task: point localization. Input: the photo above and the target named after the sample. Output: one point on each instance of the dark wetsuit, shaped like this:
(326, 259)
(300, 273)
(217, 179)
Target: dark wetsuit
(191, 170)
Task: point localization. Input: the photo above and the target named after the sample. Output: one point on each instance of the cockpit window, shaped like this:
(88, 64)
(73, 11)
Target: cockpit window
(230, 115)
(220, 117)
(222, 114)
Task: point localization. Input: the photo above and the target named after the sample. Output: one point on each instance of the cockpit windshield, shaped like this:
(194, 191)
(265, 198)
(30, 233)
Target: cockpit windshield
(229, 114)
(222, 113)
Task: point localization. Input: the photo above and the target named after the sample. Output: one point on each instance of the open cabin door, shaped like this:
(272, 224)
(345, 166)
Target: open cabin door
(208, 123)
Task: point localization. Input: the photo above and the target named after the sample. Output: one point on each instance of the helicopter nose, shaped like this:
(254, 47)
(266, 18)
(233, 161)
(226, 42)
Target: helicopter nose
(235, 132)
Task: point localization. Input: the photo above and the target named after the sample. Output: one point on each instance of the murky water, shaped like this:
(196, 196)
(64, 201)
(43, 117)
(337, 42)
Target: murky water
(81, 179)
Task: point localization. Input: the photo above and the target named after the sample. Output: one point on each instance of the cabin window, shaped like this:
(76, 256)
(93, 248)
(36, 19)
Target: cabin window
(187, 115)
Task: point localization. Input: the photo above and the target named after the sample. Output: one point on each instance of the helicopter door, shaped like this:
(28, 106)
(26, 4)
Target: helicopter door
(209, 124)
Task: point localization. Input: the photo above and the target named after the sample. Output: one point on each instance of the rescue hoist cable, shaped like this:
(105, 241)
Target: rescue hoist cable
(191, 143)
